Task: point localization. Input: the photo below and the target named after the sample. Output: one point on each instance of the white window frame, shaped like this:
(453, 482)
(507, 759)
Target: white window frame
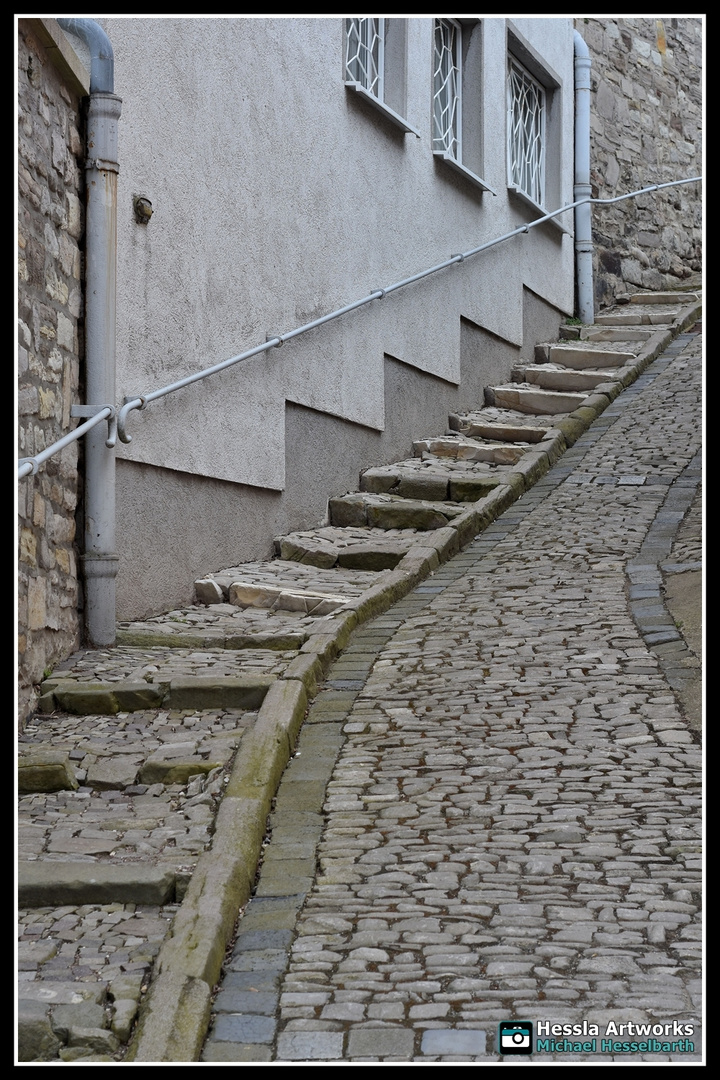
(453, 80)
(365, 54)
(526, 134)
(447, 83)
(374, 70)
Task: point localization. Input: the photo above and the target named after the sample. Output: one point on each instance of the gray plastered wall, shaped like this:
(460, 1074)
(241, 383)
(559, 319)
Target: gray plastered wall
(278, 195)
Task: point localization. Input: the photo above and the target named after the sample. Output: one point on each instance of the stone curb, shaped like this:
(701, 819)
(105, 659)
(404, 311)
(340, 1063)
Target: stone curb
(174, 1017)
(190, 960)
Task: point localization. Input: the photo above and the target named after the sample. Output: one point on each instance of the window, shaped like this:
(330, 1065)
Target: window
(447, 103)
(457, 98)
(526, 133)
(375, 66)
(365, 54)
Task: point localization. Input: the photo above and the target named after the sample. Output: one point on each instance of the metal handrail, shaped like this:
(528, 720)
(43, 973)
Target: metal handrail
(142, 400)
(29, 465)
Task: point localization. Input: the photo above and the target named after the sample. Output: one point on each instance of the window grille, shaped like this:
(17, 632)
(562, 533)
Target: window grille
(526, 133)
(364, 60)
(447, 81)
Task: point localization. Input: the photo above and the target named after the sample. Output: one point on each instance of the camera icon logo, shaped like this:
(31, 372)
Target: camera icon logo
(515, 1037)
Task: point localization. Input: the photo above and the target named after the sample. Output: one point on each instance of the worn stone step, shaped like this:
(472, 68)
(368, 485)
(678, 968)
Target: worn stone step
(222, 635)
(73, 884)
(606, 333)
(664, 298)
(182, 692)
(436, 481)
(501, 425)
(248, 594)
(281, 574)
(554, 377)
(628, 317)
(362, 549)
(138, 792)
(529, 399)
(390, 512)
(459, 448)
(590, 355)
(124, 679)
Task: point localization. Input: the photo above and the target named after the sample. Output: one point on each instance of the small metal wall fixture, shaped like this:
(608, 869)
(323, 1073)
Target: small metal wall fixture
(143, 209)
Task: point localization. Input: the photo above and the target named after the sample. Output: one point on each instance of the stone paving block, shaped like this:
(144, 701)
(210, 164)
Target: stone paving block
(261, 940)
(385, 1042)
(229, 1051)
(36, 1040)
(259, 960)
(239, 1028)
(444, 1042)
(309, 1046)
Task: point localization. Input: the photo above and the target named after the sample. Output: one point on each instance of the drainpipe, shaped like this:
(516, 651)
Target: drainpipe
(582, 189)
(100, 561)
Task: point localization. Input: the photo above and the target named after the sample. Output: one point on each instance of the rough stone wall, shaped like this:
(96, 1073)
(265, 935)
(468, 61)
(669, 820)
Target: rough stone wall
(50, 232)
(646, 117)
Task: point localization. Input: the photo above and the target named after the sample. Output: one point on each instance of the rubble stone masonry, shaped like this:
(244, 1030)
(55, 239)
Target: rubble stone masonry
(50, 304)
(646, 128)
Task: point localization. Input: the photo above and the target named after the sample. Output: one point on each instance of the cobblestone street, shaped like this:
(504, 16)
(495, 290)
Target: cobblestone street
(512, 814)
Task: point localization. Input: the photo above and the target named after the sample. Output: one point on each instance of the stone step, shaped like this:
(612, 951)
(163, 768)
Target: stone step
(390, 512)
(458, 448)
(361, 549)
(606, 333)
(529, 399)
(284, 575)
(432, 480)
(501, 425)
(223, 633)
(160, 777)
(554, 377)
(131, 679)
(636, 317)
(157, 722)
(181, 692)
(587, 356)
(75, 884)
(664, 297)
(248, 594)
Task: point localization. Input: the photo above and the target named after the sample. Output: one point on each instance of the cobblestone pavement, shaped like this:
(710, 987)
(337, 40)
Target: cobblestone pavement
(114, 816)
(499, 790)
(92, 963)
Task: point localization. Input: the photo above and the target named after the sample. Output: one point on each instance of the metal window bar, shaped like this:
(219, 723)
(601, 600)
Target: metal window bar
(364, 56)
(25, 466)
(447, 82)
(526, 133)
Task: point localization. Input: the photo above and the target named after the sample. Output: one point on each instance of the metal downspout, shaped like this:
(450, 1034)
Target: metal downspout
(100, 561)
(582, 189)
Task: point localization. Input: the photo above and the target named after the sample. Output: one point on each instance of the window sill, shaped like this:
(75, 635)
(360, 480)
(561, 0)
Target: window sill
(394, 117)
(448, 159)
(540, 210)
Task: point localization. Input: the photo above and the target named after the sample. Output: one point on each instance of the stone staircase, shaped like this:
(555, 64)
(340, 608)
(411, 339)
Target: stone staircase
(463, 477)
(149, 774)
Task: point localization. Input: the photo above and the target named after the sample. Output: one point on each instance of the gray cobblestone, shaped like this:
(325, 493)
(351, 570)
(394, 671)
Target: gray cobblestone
(498, 786)
(511, 821)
